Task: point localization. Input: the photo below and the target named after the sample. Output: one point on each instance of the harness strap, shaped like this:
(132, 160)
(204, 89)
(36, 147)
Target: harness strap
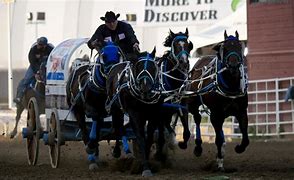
(79, 94)
(74, 100)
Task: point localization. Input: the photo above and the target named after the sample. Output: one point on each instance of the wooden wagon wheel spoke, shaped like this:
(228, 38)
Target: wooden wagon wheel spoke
(55, 136)
(33, 126)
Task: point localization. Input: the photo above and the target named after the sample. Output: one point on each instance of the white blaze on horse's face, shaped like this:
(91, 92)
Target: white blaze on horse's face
(183, 56)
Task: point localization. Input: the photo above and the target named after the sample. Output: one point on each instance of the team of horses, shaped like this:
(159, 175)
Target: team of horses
(150, 90)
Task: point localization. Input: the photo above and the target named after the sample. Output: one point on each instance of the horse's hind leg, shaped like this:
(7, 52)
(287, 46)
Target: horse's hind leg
(186, 134)
(138, 125)
(80, 117)
(171, 139)
(161, 141)
(119, 131)
(198, 140)
(94, 135)
(243, 125)
(19, 110)
(93, 146)
(219, 140)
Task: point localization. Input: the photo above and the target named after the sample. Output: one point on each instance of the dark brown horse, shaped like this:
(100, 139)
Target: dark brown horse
(134, 85)
(220, 83)
(174, 73)
(37, 90)
(86, 95)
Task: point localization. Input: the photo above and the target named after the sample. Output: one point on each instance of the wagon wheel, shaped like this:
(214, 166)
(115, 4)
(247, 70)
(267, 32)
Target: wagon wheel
(34, 131)
(54, 139)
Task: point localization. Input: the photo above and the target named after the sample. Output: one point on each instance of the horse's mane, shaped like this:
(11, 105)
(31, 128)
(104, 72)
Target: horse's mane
(166, 54)
(169, 39)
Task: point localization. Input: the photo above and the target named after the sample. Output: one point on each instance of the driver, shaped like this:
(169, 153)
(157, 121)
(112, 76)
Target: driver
(115, 31)
(39, 52)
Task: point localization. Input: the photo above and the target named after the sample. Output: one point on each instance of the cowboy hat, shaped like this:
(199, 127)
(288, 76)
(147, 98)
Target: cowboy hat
(110, 17)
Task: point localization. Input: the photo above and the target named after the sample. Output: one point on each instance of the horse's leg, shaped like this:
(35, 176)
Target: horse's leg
(150, 137)
(19, 110)
(167, 116)
(243, 125)
(197, 119)
(160, 154)
(80, 117)
(119, 131)
(186, 133)
(94, 135)
(217, 122)
(138, 123)
(93, 145)
(117, 124)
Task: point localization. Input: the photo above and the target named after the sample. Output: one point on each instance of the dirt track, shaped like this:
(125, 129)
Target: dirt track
(262, 160)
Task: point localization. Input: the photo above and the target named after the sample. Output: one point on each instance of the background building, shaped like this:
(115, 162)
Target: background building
(270, 38)
(152, 19)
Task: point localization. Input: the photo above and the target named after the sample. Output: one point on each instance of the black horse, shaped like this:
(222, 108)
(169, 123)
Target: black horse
(135, 86)
(86, 95)
(37, 90)
(220, 83)
(174, 73)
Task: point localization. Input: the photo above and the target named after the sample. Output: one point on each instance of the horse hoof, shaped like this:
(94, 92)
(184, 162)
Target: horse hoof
(116, 153)
(147, 173)
(12, 134)
(197, 151)
(129, 156)
(90, 150)
(239, 149)
(221, 169)
(160, 157)
(93, 167)
(182, 145)
(171, 146)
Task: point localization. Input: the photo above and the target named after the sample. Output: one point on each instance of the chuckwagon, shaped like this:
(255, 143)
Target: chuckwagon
(60, 124)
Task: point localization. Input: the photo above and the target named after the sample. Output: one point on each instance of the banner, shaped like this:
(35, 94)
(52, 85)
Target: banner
(185, 12)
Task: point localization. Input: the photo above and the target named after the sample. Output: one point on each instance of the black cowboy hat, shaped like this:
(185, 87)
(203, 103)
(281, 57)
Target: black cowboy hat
(110, 17)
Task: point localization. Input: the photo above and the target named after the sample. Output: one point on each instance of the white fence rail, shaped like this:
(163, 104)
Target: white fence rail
(268, 112)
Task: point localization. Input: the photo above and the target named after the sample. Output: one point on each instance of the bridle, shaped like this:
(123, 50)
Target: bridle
(144, 73)
(165, 73)
(173, 56)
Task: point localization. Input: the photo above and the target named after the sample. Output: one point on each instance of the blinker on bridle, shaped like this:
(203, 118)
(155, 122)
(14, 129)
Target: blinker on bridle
(232, 53)
(176, 56)
(146, 59)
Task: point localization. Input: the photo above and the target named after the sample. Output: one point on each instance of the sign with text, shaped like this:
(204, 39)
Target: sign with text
(179, 12)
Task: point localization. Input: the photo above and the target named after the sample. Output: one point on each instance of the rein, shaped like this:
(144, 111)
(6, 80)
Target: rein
(215, 70)
(173, 94)
(163, 74)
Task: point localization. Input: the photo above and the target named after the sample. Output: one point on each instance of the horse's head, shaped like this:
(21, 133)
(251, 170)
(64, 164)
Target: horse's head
(180, 49)
(145, 73)
(230, 52)
(110, 55)
(230, 62)
(41, 74)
